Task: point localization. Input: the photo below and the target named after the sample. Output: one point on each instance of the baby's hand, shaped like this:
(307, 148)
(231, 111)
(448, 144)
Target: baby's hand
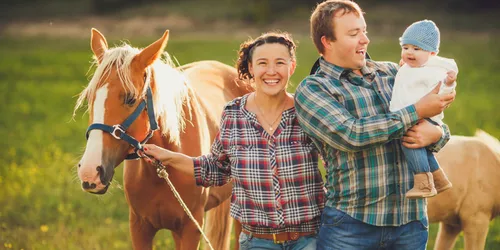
(450, 78)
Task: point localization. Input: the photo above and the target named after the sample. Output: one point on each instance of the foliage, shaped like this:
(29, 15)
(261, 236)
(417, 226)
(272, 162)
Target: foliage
(41, 203)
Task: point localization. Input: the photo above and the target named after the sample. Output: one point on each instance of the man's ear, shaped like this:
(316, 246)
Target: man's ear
(327, 43)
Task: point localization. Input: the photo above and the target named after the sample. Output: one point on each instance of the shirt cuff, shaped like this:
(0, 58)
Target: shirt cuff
(197, 163)
(442, 141)
(409, 117)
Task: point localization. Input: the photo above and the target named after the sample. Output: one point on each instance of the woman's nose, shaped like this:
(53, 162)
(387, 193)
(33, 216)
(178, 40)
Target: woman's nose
(271, 69)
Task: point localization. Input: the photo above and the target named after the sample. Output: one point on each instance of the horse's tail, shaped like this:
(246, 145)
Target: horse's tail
(218, 223)
(491, 141)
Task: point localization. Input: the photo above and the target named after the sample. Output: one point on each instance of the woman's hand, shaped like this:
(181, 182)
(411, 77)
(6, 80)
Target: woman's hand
(169, 158)
(163, 155)
(422, 135)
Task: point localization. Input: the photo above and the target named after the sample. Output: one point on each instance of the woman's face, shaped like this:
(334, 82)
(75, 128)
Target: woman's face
(271, 67)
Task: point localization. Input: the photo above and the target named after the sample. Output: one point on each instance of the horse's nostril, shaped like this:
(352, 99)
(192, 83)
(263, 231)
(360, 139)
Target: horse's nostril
(92, 186)
(79, 165)
(85, 185)
(100, 170)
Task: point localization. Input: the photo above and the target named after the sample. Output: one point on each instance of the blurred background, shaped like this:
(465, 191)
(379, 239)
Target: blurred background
(45, 58)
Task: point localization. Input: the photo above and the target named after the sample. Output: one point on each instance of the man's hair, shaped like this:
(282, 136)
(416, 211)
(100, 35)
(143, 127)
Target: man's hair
(322, 19)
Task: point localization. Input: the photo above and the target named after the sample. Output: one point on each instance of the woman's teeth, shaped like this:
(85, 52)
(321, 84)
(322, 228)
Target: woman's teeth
(271, 82)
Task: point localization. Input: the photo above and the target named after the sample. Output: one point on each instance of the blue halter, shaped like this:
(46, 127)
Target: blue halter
(118, 131)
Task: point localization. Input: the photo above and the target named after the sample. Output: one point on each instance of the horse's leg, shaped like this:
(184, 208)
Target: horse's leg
(218, 226)
(237, 231)
(188, 234)
(475, 231)
(446, 237)
(142, 232)
(177, 240)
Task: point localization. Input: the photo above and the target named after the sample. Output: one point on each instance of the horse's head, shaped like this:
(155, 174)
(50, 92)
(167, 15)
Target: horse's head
(117, 97)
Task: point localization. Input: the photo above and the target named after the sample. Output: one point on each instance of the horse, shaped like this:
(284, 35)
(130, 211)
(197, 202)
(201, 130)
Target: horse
(472, 165)
(145, 96)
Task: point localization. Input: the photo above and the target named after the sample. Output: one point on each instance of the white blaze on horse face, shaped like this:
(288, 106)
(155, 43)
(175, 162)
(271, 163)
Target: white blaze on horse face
(92, 158)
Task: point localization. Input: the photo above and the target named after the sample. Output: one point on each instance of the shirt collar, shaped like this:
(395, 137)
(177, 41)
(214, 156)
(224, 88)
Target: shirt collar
(336, 71)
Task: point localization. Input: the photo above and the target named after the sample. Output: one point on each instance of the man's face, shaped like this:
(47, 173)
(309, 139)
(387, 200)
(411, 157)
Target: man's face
(349, 50)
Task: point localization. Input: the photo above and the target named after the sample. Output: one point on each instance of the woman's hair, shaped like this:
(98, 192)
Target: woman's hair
(247, 48)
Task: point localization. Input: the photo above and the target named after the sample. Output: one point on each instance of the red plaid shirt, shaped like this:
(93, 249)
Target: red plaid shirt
(277, 186)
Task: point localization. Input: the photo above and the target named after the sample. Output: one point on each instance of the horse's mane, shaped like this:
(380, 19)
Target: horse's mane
(491, 141)
(170, 86)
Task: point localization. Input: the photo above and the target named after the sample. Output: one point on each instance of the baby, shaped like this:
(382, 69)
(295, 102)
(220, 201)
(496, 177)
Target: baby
(421, 71)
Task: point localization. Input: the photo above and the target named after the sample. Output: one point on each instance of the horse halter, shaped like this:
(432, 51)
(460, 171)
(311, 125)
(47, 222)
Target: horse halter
(118, 131)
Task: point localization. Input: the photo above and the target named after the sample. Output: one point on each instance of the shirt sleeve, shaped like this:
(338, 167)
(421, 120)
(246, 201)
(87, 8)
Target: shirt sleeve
(213, 169)
(447, 89)
(442, 142)
(324, 118)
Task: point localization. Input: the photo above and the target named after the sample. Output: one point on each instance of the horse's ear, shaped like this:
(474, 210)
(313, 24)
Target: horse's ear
(153, 51)
(98, 44)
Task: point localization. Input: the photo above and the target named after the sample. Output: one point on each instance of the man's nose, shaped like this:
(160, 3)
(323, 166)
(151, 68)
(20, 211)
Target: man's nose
(365, 39)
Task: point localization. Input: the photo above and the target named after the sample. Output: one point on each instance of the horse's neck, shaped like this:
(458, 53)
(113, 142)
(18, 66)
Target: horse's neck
(195, 138)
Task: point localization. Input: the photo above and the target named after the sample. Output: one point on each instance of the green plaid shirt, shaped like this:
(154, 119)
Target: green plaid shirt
(348, 118)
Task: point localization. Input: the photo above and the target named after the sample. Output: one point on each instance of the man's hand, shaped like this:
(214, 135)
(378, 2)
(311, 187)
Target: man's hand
(422, 135)
(433, 103)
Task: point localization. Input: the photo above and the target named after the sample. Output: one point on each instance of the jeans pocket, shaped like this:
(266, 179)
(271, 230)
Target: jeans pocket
(332, 217)
(243, 240)
(424, 223)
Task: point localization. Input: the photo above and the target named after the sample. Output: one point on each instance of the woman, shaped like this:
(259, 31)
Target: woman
(277, 191)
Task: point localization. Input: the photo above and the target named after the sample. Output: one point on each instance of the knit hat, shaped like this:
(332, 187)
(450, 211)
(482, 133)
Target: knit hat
(424, 34)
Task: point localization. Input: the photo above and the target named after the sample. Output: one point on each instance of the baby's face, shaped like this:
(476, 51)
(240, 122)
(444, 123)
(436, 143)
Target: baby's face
(414, 56)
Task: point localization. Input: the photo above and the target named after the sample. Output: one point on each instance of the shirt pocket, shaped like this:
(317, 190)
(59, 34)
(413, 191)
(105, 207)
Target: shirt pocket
(299, 158)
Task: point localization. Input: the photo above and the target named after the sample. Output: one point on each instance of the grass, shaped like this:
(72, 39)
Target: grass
(42, 205)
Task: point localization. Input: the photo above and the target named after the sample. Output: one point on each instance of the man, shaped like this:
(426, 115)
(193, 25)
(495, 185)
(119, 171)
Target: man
(344, 107)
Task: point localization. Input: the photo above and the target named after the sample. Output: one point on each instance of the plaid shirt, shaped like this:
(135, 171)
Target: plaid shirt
(277, 186)
(349, 120)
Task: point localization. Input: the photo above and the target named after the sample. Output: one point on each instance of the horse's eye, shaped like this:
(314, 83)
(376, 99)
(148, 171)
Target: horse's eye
(129, 100)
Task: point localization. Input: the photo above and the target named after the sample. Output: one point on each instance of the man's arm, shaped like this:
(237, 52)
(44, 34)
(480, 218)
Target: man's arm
(425, 134)
(324, 118)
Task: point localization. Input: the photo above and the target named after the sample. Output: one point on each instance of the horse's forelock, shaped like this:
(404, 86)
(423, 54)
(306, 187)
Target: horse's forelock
(119, 58)
(170, 94)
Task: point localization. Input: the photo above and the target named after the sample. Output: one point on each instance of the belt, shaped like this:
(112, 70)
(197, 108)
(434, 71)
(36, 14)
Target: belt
(280, 237)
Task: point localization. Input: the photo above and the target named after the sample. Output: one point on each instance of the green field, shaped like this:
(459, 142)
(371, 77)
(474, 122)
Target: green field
(41, 203)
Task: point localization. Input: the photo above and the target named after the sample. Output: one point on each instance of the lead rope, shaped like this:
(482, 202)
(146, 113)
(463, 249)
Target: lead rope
(162, 173)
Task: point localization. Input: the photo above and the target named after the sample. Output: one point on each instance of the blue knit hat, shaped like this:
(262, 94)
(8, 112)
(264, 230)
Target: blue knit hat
(424, 34)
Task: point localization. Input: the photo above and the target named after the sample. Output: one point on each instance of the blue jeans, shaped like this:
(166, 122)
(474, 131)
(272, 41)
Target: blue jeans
(248, 242)
(340, 231)
(421, 160)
